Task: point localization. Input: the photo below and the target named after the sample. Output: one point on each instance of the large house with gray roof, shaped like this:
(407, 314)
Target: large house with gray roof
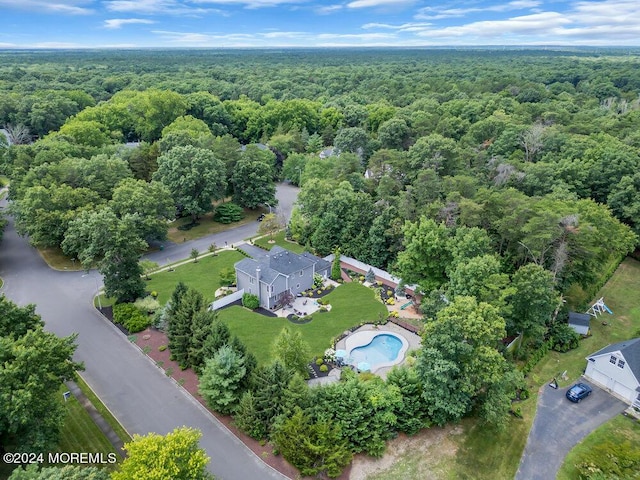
(616, 367)
(277, 272)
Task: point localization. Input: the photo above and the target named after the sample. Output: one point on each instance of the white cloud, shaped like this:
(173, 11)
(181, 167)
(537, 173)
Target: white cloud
(328, 9)
(438, 13)
(115, 23)
(379, 3)
(539, 23)
(405, 27)
(252, 3)
(606, 22)
(355, 36)
(69, 7)
(156, 7)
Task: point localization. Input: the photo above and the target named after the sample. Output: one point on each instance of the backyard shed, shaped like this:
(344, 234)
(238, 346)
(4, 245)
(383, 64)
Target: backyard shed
(579, 322)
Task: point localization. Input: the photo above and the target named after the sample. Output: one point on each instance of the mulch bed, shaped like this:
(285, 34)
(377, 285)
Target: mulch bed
(315, 371)
(149, 340)
(299, 320)
(314, 292)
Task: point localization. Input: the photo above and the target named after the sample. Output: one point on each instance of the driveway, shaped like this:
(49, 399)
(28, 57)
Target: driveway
(138, 393)
(559, 425)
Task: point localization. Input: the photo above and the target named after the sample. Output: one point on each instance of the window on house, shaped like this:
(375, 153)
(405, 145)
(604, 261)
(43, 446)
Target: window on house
(271, 288)
(621, 363)
(251, 279)
(613, 359)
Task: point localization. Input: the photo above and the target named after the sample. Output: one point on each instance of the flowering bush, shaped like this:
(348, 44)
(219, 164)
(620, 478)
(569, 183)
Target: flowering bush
(329, 355)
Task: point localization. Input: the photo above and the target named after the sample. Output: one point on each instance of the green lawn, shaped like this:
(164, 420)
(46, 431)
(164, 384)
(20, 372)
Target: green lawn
(279, 240)
(58, 260)
(351, 304)
(486, 454)
(80, 433)
(204, 276)
(619, 428)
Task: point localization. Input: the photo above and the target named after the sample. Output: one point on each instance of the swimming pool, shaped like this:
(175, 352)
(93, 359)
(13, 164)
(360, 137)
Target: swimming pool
(383, 348)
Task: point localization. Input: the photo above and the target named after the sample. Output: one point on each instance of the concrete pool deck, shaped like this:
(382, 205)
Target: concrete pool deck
(364, 335)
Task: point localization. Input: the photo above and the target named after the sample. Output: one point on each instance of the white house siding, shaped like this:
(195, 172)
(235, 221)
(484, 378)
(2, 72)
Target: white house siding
(621, 381)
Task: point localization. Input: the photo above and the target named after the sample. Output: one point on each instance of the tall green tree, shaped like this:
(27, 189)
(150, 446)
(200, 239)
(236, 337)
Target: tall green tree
(148, 204)
(269, 387)
(156, 457)
(113, 244)
(426, 255)
(44, 213)
(291, 349)
(459, 360)
(252, 182)
(411, 412)
(312, 447)
(533, 301)
(221, 380)
(194, 176)
(201, 329)
(33, 364)
(181, 320)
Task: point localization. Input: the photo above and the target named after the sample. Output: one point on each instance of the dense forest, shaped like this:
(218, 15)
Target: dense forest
(497, 181)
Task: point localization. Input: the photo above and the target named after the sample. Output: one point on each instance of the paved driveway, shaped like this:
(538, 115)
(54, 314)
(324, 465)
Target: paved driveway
(559, 425)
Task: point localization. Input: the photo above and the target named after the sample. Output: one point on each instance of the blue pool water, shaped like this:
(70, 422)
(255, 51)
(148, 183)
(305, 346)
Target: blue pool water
(383, 348)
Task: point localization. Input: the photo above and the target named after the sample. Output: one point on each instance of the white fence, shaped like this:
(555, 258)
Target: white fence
(224, 301)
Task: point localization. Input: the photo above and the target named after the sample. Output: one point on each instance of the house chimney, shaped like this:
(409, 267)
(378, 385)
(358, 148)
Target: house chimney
(258, 282)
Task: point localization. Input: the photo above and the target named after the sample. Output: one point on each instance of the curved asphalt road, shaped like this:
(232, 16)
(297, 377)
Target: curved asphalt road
(140, 396)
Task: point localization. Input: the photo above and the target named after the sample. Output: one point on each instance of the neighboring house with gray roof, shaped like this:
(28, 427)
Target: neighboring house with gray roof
(616, 367)
(279, 271)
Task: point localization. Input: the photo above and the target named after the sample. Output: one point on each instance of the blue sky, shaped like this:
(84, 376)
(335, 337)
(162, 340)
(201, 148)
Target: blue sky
(314, 23)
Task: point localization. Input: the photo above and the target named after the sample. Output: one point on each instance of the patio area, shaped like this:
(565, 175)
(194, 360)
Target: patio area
(301, 306)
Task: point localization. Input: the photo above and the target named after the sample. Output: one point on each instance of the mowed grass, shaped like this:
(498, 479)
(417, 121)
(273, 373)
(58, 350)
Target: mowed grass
(203, 275)
(279, 239)
(351, 304)
(488, 454)
(619, 428)
(58, 260)
(79, 432)
(207, 226)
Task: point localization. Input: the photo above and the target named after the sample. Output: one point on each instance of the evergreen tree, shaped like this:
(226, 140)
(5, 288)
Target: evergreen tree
(218, 336)
(270, 384)
(201, 328)
(221, 379)
(411, 412)
(180, 331)
(336, 271)
(312, 447)
(246, 417)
